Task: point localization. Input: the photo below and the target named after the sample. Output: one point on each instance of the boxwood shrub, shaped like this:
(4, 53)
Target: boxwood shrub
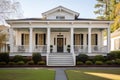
(117, 61)
(2, 63)
(4, 57)
(30, 62)
(82, 57)
(18, 58)
(113, 55)
(98, 62)
(41, 63)
(88, 62)
(36, 57)
(11, 63)
(99, 58)
(80, 63)
(110, 62)
(20, 63)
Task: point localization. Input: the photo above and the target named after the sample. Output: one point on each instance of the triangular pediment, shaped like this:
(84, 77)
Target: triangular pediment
(60, 9)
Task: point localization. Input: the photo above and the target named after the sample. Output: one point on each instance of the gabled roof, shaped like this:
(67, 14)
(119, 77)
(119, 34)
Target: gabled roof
(60, 8)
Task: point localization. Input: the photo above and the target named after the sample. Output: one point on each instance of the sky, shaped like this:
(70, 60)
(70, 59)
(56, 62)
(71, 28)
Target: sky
(34, 8)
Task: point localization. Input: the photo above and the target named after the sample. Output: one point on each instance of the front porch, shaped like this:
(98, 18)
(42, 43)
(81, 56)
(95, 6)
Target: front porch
(58, 40)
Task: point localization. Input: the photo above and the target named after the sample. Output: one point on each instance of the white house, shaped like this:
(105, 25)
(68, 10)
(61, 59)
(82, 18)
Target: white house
(115, 40)
(59, 30)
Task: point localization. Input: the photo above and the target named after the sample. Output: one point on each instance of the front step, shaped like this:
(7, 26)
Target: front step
(60, 59)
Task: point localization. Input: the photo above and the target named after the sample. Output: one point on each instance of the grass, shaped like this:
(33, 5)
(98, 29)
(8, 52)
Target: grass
(93, 74)
(27, 74)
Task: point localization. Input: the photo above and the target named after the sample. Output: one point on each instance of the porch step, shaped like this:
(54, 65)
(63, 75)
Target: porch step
(60, 59)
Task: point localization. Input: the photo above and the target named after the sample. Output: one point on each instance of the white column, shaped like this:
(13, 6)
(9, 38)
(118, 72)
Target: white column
(108, 39)
(89, 40)
(30, 40)
(48, 40)
(72, 40)
(11, 40)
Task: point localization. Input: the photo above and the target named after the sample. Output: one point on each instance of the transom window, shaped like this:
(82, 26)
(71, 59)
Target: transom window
(60, 17)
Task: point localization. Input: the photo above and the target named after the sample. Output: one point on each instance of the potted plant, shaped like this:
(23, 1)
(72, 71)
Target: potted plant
(68, 48)
(51, 48)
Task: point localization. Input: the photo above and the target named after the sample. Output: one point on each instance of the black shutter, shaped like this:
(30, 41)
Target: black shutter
(44, 39)
(22, 39)
(81, 39)
(36, 39)
(87, 39)
(96, 39)
(74, 39)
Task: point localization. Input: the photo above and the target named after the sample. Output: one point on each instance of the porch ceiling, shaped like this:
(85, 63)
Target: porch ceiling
(60, 30)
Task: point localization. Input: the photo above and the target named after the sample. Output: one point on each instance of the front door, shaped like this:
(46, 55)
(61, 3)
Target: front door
(59, 44)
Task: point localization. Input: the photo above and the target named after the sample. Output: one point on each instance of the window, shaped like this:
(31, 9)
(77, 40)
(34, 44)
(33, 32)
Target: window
(94, 39)
(117, 44)
(78, 39)
(40, 39)
(60, 17)
(25, 39)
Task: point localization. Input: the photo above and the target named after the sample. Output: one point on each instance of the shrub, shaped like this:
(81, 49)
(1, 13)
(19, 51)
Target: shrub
(2, 63)
(30, 62)
(4, 57)
(117, 61)
(113, 55)
(88, 63)
(109, 62)
(98, 62)
(41, 63)
(20, 63)
(79, 63)
(99, 58)
(11, 63)
(36, 57)
(82, 57)
(18, 58)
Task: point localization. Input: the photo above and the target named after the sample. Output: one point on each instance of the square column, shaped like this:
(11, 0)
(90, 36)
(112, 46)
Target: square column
(72, 40)
(11, 40)
(108, 39)
(48, 40)
(89, 40)
(30, 40)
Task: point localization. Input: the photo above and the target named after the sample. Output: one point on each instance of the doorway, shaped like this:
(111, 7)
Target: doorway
(59, 44)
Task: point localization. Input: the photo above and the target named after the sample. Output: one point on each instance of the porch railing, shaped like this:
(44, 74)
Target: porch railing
(21, 48)
(94, 48)
(40, 48)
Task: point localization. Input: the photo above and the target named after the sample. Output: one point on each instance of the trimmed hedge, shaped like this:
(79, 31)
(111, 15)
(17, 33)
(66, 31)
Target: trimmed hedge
(2, 63)
(41, 63)
(30, 62)
(36, 57)
(88, 62)
(79, 63)
(82, 57)
(99, 58)
(4, 57)
(113, 55)
(98, 62)
(20, 63)
(18, 58)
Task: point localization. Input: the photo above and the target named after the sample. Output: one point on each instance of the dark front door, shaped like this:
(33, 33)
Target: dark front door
(59, 44)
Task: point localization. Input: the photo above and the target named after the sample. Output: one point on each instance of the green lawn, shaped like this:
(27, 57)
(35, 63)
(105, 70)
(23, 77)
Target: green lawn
(27, 74)
(93, 74)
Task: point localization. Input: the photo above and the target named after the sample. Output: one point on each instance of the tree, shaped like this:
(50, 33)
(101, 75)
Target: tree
(116, 23)
(10, 9)
(106, 10)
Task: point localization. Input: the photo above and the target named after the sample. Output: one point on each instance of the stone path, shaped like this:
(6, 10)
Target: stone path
(60, 74)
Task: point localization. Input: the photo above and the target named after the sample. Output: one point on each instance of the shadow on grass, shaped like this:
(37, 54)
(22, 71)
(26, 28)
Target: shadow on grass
(93, 74)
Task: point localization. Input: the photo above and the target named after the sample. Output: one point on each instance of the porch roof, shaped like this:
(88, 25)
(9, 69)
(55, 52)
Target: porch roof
(54, 20)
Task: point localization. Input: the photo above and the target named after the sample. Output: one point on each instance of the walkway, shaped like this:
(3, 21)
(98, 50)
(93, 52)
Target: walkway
(60, 74)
